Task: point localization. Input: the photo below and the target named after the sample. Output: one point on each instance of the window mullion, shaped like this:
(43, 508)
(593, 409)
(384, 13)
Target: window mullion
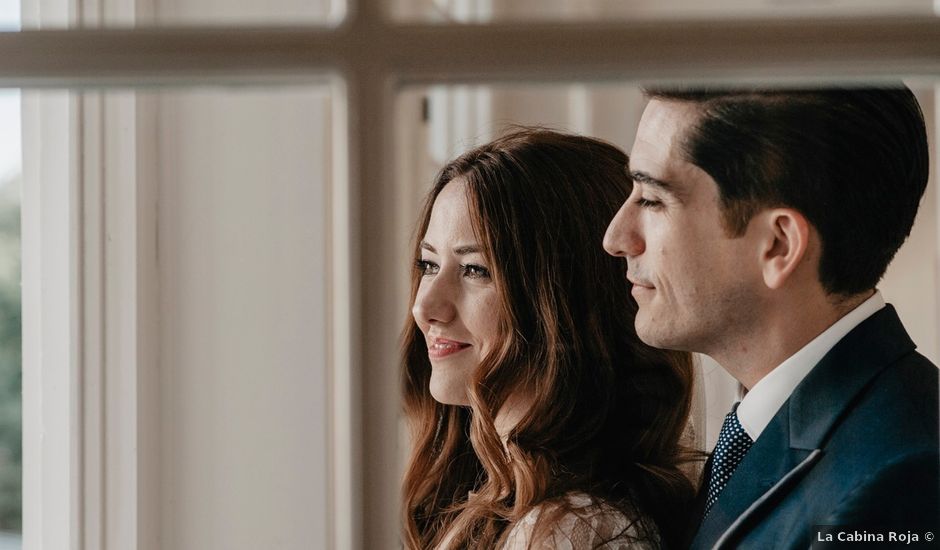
(52, 338)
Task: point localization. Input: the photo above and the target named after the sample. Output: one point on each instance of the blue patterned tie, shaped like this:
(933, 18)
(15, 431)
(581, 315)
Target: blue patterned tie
(733, 443)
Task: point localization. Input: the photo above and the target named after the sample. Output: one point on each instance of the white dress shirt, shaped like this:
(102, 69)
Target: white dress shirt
(759, 405)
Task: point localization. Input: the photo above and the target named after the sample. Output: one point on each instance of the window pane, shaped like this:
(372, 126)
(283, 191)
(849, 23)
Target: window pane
(466, 11)
(11, 453)
(9, 15)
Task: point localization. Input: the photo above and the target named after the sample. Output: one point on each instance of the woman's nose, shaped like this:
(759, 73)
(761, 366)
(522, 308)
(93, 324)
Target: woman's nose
(624, 237)
(434, 303)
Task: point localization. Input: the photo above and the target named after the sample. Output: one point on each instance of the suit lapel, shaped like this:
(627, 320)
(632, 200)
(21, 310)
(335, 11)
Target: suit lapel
(820, 400)
(793, 441)
(762, 467)
(762, 504)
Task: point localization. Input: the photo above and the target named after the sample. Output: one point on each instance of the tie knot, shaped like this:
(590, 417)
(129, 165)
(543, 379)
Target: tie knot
(732, 429)
(733, 444)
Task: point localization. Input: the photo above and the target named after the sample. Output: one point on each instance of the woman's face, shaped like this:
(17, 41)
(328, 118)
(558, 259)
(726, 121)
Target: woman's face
(456, 305)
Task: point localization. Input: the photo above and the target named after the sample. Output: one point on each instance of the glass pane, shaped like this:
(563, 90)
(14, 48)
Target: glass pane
(11, 449)
(9, 15)
(476, 11)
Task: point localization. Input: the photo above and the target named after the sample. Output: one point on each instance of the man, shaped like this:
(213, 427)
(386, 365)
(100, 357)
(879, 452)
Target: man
(758, 227)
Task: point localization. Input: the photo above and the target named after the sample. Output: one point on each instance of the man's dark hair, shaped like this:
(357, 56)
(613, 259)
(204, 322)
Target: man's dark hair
(854, 161)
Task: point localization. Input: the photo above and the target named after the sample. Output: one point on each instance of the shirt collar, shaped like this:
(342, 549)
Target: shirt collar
(759, 405)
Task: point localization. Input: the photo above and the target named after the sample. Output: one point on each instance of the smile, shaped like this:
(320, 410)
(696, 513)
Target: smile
(441, 347)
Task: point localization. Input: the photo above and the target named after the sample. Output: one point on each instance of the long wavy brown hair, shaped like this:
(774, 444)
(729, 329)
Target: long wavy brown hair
(607, 411)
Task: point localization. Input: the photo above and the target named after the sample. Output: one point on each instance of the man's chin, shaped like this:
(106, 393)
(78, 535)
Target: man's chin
(652, 334)
(648, 336)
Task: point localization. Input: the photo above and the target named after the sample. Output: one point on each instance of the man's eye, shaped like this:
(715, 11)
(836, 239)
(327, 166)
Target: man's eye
(473, 271)
(425, 267)
(647, 203)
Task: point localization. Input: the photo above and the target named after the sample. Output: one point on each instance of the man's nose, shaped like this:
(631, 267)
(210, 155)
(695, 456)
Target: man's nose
(623, 237)
(434, 303)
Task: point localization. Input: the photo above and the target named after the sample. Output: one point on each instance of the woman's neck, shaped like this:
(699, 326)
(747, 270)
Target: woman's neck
(512, 412)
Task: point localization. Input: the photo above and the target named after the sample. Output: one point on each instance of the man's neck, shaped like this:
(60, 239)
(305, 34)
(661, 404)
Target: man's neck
(782, 332)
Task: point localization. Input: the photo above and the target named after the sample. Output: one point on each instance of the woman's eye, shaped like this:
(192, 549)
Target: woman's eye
(425, 267)
(473, 271)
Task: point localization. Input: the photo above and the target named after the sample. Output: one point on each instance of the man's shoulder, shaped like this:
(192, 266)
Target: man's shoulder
(896, 414)
(911, 373)
(908, 388)
(873, 379)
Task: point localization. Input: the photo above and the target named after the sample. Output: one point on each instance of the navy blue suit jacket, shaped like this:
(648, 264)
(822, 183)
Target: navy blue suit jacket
(856, 444)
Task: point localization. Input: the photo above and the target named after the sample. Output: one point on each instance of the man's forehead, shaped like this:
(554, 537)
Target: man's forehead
(658, 149)
(664, 127)
(674, 114)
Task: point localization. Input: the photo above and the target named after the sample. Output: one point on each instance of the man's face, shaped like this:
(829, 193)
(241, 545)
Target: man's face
(695, 285)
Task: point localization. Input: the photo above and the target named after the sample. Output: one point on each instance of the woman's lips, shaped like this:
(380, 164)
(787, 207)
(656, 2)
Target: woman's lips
(442, 347)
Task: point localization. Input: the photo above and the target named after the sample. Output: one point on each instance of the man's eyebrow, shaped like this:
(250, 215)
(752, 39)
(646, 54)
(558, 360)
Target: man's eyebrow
(459, 251)
(646, 179)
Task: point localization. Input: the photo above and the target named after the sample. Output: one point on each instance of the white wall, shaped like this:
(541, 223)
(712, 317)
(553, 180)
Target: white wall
(912, 282)
(243, 225)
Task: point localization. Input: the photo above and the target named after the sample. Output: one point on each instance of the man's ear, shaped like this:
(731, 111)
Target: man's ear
(786, 241)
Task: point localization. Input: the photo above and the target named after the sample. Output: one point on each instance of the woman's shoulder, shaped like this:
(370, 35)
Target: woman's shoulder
(582, 522)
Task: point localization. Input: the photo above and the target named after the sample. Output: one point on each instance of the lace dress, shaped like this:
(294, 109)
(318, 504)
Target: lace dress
(588, 526)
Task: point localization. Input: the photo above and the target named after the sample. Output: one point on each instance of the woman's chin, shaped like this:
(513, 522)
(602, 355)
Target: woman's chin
(448, 393)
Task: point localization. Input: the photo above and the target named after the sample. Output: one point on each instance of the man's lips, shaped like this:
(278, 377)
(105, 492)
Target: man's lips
(442, 347)
(639, 282)
(640, 288)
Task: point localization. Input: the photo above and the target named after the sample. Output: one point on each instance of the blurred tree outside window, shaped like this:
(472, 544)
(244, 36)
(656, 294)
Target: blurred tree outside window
(11, 467)
(11, 440)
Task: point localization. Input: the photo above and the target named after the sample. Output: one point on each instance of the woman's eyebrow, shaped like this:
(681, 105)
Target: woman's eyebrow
(462, 250)
(467, 249)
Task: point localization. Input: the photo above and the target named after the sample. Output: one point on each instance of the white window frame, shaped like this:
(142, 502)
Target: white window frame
(89, 344)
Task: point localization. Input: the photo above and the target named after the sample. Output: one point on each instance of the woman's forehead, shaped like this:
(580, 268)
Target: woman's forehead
(451, 225)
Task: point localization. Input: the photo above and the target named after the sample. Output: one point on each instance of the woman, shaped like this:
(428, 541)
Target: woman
(539, 419)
